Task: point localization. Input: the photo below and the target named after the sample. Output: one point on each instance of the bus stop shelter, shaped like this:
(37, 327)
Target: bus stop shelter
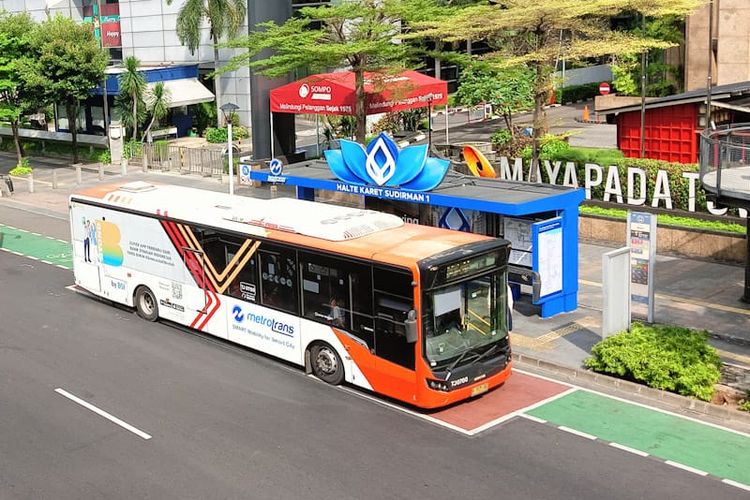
(540, 220)
(335, 94)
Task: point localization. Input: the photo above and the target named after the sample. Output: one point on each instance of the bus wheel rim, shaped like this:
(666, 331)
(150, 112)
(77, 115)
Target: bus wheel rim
(147, 303)
(326, 361)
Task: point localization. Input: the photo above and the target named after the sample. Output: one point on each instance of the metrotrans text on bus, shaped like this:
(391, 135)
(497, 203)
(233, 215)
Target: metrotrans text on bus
(411, 312)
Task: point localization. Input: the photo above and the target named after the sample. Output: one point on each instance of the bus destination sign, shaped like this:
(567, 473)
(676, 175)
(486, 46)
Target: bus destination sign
(470, 266)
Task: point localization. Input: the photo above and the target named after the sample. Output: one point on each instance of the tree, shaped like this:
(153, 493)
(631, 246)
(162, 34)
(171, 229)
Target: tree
(358, 34)
(225, 17)
(15, 97)
(158, 100)
(132, 90)
(69, 66)
(524, 32)
(509, 90)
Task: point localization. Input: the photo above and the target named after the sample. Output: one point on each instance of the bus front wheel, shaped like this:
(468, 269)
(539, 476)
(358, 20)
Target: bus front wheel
(145, 304)
(326, 364)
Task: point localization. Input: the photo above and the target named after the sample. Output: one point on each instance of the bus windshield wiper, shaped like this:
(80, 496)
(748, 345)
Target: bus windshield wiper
(486, 353)
(455, 363)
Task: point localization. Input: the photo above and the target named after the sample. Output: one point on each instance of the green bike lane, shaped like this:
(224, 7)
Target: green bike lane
(36, 246)
(684, 443)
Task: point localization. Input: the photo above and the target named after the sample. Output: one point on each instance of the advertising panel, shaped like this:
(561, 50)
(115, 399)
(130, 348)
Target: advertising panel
(642, 243)
(270, 331)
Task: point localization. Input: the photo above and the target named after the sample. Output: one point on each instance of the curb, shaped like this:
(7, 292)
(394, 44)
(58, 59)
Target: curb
(624, 386)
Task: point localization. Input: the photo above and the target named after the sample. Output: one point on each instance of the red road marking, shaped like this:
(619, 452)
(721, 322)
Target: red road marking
(519, 391)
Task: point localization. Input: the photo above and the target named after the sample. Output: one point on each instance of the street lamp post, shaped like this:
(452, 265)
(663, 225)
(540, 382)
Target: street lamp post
(228, 109)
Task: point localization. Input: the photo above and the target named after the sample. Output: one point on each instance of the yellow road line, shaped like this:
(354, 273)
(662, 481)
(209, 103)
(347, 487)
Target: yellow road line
(686, 300)
(734, 356)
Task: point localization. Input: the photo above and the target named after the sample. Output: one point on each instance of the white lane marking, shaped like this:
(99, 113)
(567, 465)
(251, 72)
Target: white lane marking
(736, 484)
(628, 449)
(686, 467)
(62, 267)
(103, 413)
(642, 405)
(577, 433)
(533, 418)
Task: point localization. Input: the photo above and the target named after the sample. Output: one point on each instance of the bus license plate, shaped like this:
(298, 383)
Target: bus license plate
(480, 389)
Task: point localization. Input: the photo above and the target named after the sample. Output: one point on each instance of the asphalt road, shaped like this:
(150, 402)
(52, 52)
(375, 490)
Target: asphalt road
(229, 423)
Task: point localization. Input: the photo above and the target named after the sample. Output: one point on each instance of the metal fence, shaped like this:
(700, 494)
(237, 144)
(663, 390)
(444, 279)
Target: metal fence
(203, 161)
(723, 152)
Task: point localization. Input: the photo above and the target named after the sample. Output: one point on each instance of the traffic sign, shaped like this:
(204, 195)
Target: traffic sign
(604, 88)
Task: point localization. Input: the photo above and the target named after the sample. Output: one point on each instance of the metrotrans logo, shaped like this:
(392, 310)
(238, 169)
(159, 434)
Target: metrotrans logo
(240, 317)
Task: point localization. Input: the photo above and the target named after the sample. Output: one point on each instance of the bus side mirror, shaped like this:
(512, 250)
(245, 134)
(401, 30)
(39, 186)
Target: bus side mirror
(411, 326)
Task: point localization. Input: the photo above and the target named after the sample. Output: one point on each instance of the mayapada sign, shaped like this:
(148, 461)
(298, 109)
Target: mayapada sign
(632, 193)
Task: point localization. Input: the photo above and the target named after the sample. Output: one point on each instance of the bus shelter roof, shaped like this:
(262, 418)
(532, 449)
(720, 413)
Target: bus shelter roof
(334, 93)
(491, 195)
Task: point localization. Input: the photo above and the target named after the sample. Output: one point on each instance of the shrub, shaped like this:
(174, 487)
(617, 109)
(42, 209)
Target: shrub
(132, 149)
(575, 93)
(501, 138)
(744, 405)
(22, 168)
(664, 357)
(105, 157)
(239, 132)
(216, 135)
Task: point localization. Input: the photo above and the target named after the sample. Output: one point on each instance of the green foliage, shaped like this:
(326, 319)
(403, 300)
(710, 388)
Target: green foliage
(105, 157)
(161, 148)
(240, 132)
(325, 37)
(132, 149)
(225, 17)
(216, 135)
(205, 116)
(130, 100)
(670, 358)
(744, 404)
(158, 99)
(669, 220)
(501, 138)
(410, 121)
(509, 90)
(573, 93)
(22, 168)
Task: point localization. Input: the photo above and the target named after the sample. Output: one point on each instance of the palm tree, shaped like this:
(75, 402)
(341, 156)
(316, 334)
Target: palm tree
(225, 17)
(158, 100)
(132, 88)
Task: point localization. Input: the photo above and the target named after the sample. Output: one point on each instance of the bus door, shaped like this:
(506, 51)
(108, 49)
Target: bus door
(395, 355)
(196, 297)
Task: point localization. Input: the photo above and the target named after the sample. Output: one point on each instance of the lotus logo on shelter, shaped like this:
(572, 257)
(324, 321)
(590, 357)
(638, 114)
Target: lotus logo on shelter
(384, 164)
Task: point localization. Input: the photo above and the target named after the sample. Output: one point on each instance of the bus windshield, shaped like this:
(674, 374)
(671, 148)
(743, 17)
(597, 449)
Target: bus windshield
(465, 316)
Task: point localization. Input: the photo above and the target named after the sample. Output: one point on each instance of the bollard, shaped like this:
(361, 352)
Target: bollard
(101, 172)
(78, 174)
(31, 183)
(124, 168)
(54, 179)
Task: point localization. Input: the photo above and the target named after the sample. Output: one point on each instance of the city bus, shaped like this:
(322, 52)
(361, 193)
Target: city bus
(411, 312)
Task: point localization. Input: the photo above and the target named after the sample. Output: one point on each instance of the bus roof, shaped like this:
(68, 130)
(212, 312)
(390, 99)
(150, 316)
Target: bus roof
(360, 233)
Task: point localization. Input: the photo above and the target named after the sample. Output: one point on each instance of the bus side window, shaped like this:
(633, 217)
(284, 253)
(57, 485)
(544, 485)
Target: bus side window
(393, 300)
(278, 278)
(337, 292)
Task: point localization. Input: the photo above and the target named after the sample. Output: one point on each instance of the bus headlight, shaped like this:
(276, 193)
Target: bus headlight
(438, 385)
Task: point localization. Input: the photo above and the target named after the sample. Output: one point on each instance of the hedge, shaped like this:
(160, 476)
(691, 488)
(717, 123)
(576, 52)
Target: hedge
(573, 93)
(663, 357)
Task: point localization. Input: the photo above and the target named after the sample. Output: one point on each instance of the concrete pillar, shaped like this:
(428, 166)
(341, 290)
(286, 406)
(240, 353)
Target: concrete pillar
(101, 171)
(54, 179)
(78, 174)
(30, 179)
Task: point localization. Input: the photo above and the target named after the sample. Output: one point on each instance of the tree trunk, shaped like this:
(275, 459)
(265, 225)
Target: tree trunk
(16, 140)
(540, 118)
(72, 111)
(217, 83)
(359, 108)
(135, 117)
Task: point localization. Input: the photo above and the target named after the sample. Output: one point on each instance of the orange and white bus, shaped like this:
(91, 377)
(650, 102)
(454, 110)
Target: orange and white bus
(411, 312)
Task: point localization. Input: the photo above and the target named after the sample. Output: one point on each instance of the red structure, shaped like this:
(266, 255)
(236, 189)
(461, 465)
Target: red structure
(671, 133)
(334, 93)
(673, 123)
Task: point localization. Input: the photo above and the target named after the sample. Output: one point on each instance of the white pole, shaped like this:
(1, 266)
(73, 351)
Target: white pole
(231, 159)
(271, 116)
(317, 135)
(447, 137)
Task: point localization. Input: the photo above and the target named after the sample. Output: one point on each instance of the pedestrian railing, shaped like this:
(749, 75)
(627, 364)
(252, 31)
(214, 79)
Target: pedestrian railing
(167, 157)
(725, 161)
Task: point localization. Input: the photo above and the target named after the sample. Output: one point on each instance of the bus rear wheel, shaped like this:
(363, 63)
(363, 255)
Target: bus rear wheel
(326, 364)
(145, 304)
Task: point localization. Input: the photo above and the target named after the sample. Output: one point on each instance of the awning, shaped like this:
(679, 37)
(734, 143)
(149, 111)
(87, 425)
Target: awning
(185, 91)
(334, 93)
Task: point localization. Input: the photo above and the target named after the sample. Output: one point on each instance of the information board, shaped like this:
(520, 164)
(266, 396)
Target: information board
(547, 239)
(642, 243)
(518, 232)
